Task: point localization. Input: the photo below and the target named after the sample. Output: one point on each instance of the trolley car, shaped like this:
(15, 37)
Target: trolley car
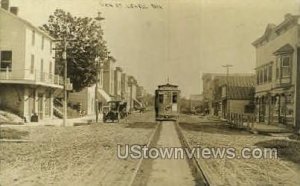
(167, 102)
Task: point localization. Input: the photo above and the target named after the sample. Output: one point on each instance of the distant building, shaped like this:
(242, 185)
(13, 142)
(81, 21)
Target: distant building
(125, 91)
(117, 83)
(109, 76)
(87, 97)
(27, 79)
(133, 102)
(212, 90)
(196, 100)
(235, 94)
(277, 69)
(140, 93)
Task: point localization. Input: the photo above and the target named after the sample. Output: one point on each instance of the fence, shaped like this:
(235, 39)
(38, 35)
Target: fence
(241, 120)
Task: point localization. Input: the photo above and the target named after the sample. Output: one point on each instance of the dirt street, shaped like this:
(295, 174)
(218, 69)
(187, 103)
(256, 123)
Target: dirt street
(265, 171)
(83, 155)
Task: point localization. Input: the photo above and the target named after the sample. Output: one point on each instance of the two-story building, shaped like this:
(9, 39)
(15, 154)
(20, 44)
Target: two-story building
(277, 70)
(117, 83)
(27, 79)
(125, 90)
(133, 102)
(210, 91)
(109, 76)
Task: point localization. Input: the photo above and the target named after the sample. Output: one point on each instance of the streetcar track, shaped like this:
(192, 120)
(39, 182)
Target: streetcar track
(194, 163)
(150, 143)
(139, 176)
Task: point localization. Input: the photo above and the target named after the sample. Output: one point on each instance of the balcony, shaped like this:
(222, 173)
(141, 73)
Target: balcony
(282, 82)
(26, 76)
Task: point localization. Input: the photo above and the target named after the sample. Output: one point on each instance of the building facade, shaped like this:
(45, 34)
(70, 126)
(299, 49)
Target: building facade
(236, 95)
(85, 98)
(277, 70)
(109, 76)
(117, 83)
(27, 79)
(125, 90)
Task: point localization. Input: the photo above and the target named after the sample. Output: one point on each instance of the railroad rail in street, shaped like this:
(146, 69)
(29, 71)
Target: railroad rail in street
(160, 171)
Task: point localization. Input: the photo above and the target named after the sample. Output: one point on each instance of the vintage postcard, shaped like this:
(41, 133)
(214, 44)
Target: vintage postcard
(149, 92)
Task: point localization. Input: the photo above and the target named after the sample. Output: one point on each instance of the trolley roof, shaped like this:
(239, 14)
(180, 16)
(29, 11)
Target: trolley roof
(167, 87)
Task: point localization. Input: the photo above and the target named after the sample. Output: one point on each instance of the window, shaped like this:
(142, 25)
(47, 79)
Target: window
(261, 77)
(33, 37)
(6, 60)
(43, 41)
(270, 73)
(50, 67)
(32, 64)
(277, 68)
(285, 66)
(174, 97)
(265, 74)
(161, 98)
(257, 77)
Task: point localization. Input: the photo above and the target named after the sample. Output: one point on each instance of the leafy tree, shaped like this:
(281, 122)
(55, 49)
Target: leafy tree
(85, 42)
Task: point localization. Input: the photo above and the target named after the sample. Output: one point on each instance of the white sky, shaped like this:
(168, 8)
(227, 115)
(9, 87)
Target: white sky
(183, 40)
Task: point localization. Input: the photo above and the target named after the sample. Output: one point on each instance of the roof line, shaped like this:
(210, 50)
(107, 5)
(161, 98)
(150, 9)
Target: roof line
(27, 23)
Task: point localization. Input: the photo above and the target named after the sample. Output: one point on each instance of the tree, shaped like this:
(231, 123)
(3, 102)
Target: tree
(85, 42)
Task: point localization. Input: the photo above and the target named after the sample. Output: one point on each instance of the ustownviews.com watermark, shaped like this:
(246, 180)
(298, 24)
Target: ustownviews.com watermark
(141, 151)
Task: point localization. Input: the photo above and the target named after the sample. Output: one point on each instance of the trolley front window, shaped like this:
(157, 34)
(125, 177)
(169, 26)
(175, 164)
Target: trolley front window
(174, 98)
(161, 98)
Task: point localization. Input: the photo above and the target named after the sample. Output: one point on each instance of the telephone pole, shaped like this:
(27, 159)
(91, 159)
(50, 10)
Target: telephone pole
(227, 66)
(65, 105)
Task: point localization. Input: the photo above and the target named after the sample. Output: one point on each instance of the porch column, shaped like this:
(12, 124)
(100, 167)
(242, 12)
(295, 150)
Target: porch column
(51, 104)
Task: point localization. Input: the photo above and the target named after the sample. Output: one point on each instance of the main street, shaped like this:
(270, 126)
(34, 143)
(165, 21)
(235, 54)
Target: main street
(87, 155)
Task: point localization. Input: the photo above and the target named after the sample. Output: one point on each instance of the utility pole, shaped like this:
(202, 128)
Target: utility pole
(65, 105)
(227, 66)
(98, 68)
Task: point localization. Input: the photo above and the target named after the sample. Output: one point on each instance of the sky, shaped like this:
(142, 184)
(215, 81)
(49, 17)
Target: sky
(180, 41)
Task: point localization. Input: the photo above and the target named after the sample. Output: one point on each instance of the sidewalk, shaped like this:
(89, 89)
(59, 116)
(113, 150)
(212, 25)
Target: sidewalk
(260, 128)
(59, 122)
(264, 128)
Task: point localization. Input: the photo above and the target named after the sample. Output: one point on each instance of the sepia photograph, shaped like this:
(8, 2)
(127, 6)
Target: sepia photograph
(149, 92)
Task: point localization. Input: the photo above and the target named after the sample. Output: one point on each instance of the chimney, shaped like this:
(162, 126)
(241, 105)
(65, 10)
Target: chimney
(5, 4)
(14, 10)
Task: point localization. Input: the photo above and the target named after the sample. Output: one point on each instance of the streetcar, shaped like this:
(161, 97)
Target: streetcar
(167, 102)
